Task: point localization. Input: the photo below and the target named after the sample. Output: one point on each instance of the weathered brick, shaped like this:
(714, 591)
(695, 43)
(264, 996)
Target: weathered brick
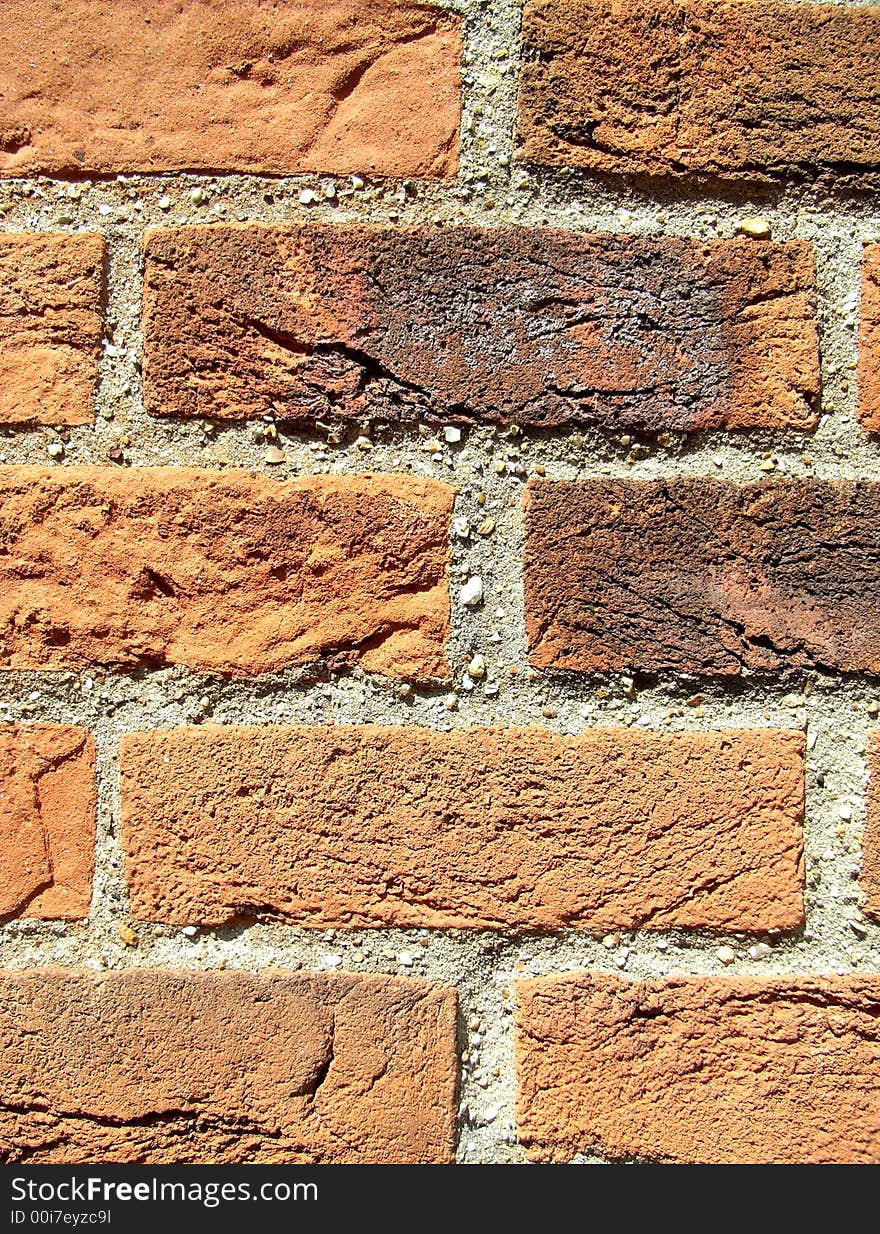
(757, 90)
(225, 1067)
(222, 571)
(229, 85)
(870, 880)
(533, 326)
(51, 293)
(488, 828)
(699, 575)
(48, 794)
(869, 341)
(712, 1070)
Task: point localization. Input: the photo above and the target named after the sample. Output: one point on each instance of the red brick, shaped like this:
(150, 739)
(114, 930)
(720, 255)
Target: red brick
(699, 575)
(225, 1067)
(51, 292)
(700, 1069)
(487, 828)
(222, 571)
(871, 855)
(665, 87)
(478, 325)
(869, 341)
(229, 85)
(48, 794)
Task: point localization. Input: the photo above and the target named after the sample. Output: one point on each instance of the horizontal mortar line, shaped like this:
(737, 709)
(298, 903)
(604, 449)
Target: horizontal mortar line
(585, 450)
(699, 465)
(602, 215)
(766, 691)
(698, 960)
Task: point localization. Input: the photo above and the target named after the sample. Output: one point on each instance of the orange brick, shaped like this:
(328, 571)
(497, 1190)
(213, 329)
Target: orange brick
(700, 1069)
(225, 1067)
(229, 85)
(485, 828)
(869, 341)
(51, 293)
(48, 794)
(222, 571)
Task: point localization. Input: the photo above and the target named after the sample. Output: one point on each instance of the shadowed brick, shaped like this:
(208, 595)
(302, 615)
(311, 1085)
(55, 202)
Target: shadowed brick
(698, 575)
(535, 326)
(757, 90)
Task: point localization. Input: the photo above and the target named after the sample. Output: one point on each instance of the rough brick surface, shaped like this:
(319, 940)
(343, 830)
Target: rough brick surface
(229, 85)
(48, 793)
(739, 90)
(869, 341)
(224, 572)
(223, 1067)
(870, 880)
(703, 576)
(746, 1070)
(373, 826)
(534, 326)
(51, 292)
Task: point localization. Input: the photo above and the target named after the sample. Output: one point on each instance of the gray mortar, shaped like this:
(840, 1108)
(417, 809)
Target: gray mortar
(491, 190)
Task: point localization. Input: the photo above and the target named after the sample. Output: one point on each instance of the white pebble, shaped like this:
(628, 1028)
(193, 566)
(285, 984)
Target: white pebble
(726, 955)
(189, 931)
(307, 197)
(451, 434)
(759, 951)
(471, 593)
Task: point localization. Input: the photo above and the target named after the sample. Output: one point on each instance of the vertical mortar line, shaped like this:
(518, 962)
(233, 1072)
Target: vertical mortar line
(836, 778)
(493, 627)
(110, 904)
(487, 1119)
(490, 63)
(837, 241)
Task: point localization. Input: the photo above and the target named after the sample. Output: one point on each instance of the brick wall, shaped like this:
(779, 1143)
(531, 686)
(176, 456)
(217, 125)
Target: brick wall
(439, 628)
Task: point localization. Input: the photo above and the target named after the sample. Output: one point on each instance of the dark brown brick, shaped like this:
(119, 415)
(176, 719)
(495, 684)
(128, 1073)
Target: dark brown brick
(702, 576)
(756, 90)
(533, 326)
